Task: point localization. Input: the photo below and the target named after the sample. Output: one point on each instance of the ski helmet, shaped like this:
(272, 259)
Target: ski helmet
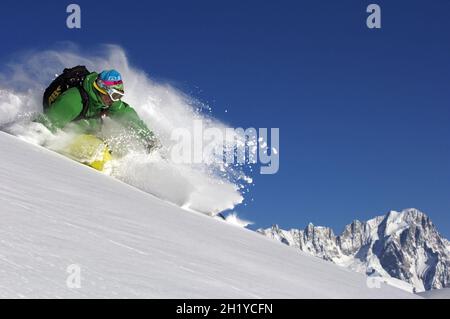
(110, 82)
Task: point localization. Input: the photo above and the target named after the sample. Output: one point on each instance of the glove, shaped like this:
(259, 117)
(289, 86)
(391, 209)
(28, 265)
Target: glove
(152, 144)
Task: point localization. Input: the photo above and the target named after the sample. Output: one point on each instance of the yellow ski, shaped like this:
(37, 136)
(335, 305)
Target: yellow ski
(89, 150)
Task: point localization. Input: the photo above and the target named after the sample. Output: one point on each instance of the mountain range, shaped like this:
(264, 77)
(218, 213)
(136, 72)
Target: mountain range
(401, 248)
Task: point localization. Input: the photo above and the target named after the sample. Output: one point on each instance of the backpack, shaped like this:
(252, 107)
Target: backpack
(70, 78)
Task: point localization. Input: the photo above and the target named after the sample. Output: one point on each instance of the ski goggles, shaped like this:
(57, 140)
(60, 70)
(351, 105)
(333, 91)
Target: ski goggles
(114, 94)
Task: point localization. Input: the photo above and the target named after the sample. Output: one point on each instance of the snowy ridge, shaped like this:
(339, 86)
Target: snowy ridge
(447, 244)
(127, 243)
(404, 248)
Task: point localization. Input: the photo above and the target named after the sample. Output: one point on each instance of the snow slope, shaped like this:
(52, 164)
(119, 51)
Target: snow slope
(436, 294)
(56, 213)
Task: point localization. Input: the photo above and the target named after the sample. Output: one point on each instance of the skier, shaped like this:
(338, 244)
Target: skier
(84, 98)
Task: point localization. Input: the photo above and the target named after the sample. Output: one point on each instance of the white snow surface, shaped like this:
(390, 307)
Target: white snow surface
(436, 294)
(130, 244)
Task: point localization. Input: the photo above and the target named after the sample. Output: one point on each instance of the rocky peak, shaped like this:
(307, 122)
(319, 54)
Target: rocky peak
(404, 245)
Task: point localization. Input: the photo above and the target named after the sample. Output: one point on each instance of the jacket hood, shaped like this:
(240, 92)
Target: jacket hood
(95, 102)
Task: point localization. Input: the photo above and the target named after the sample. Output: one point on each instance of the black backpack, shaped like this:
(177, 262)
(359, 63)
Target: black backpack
(70, 78)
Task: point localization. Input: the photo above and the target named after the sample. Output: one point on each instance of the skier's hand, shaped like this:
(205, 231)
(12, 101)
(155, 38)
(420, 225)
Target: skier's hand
(152, 144)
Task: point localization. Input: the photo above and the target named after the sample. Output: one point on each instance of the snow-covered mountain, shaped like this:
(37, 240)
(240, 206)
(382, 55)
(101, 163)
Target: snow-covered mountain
(400, 245)
(61, 219)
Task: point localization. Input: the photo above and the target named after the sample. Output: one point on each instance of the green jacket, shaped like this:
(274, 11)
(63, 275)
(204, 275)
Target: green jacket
(69, 105)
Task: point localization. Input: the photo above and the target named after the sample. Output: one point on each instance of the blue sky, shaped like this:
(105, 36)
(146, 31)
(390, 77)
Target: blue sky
(363, 114)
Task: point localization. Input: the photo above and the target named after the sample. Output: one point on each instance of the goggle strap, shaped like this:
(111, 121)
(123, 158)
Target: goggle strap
(99, 89)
